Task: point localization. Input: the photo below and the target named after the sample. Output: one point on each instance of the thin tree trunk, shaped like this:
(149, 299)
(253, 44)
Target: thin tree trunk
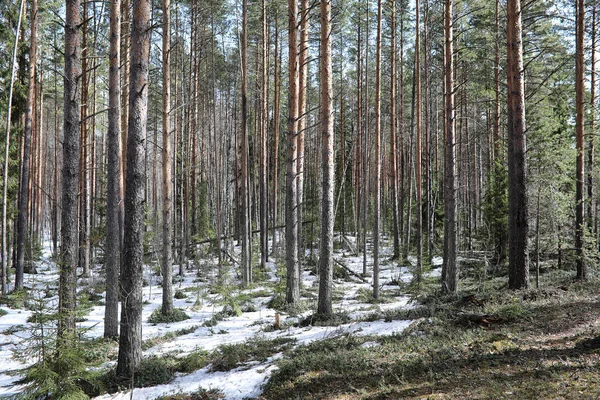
(518, 225)
(130, 339)
(327, 123)
(449, 267)
(167, 173)
(579, 134)
(418, 144)
(84, 261)
(591, 217)
(302, 117)
(24, 188)
(276, 125)
(291, 214)
(113, 245)
(393, 129)
(264, 250)
(246, 234)
(377, 199)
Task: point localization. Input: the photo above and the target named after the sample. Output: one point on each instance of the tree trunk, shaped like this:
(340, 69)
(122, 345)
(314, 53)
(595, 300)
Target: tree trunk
(377, 199)
(276, 126)
(246, 234)
(70, 179)
(113, 153)
(302, 117)
(264, 250)
(167, 173)
(579, 133)
(393, 141)
(449, 267)
(84, 223)
(291, 214)
(130, 340)
(591, 206)
(418, 144)
(24, 187)
(518, 225)
(327, 212)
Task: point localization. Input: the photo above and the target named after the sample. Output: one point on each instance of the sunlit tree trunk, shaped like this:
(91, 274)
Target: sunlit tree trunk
(167, 173)
(291, 212)
(328, 163)
(449, 267)
(113, 154)
(130, 339)
(579, 133)
(24, 187)
(377, 199)
(245, 212)
(518, 225)
(70, 178)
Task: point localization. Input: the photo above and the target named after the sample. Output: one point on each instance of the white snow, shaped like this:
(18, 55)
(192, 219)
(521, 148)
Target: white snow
(201, 305)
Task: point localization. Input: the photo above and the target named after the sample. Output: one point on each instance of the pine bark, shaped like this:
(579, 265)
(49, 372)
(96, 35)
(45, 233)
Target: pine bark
(324, 306)
(518, 224)
(24, 187)
(245, 212)
(302, 117)
(591, 206)
(393, 132)
(264, 250)
(579, 136)
(291, 213)
(418, 144)
(167, 175)
(130, 339)
(70, 179)
(113, 192)
(377, 199)
(449, 267)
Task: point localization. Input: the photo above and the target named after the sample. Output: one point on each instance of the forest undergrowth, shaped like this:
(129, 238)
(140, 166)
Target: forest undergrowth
(479, 344)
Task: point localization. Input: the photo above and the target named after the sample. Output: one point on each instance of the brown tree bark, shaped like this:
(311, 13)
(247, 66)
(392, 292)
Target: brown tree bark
(245, 217)
(113, 195)
(418, 144)
(291, 212)
(393, 131)
(264, 250)
(24, 187)
(167, 173)
(449, 267)
(591, 213)
(130, 339)
(302, 117)
(70, 178)
(276, 127)
(377, 199)
(518, 224)
(113, 154)
(579, 136)
(84, 192)
(324, 306)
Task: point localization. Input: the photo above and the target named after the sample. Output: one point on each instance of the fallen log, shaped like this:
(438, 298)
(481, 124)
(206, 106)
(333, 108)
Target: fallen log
(351, 272)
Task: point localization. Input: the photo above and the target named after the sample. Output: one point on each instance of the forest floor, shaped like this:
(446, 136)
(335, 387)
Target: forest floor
(486, 342)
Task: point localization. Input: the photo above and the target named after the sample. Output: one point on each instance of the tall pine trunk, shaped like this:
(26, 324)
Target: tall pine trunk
(518, 224)
(70, 179)
(130, 339)
(377, 199)
(167, 175)
(449, 267)
(579, 133)
(113, 154)
(327, 123)
(24, 187)
(291, 212)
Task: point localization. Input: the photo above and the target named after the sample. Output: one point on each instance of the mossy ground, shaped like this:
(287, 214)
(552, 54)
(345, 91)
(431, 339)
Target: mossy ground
(540, 344)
